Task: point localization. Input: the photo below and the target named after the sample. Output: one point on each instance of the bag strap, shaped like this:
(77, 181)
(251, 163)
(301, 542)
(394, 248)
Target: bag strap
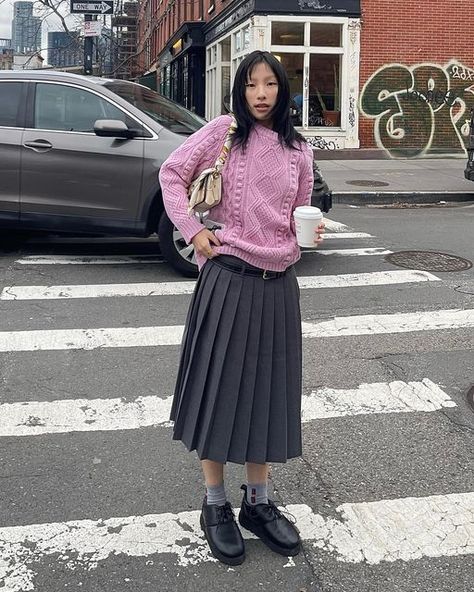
(227, 145)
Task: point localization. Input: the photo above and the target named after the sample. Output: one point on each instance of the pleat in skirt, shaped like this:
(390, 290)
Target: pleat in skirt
(238, 389)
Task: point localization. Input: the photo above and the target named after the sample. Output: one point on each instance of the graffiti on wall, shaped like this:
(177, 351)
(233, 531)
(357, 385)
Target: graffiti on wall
(420, 110)
(322, 143)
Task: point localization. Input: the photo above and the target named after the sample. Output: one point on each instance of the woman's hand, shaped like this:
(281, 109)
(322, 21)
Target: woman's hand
(319, 233)
(203, 242)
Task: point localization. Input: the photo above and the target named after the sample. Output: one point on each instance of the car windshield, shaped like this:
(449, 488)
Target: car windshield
(167, 113)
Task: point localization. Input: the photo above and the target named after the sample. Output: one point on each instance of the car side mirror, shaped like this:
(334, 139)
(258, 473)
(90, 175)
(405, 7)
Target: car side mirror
(113, 128)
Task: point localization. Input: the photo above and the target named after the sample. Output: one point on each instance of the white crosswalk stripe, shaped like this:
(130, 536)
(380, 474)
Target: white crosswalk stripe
(376, 278)
(433, 530)
(153, 259)
(35, 418)
(64, 339)
(348, 252)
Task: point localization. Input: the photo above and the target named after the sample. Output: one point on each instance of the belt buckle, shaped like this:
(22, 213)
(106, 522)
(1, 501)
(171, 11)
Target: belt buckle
(265, 275)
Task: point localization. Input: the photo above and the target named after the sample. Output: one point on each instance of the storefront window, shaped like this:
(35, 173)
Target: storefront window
(326, 35)
(238, 41)
(225, 76)
(315, 77)
(324, 90)
(167, 81)
(185, 100)
(225, 89)
(225, 49)
(246, 34)
(293, 64)
(287, 33)
(174, 81)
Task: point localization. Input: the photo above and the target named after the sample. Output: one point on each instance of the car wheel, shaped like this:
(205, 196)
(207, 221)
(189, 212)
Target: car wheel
(174, 248)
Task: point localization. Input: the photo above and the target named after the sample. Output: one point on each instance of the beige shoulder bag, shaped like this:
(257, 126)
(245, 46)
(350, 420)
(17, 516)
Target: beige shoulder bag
(205, 191)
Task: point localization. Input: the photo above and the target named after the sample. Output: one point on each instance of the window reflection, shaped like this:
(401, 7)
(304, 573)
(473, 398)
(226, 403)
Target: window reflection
(325, 35)
(287, 33)
(324, 90)
(293, 64)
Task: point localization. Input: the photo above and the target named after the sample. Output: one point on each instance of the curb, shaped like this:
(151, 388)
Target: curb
(393, 197)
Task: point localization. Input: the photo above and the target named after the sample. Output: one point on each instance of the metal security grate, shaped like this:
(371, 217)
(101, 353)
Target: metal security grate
(428, 261)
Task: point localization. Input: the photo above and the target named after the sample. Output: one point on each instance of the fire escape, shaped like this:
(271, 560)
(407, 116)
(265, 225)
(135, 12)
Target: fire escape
(124, 26)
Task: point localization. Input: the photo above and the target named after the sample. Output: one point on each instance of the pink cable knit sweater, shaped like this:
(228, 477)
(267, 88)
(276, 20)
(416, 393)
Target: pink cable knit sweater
(262, 185)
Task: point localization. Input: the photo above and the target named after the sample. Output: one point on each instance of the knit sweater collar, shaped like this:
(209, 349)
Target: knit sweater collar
(265, 132)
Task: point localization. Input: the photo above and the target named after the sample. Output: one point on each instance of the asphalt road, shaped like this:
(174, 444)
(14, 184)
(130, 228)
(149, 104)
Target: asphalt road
(94, 495)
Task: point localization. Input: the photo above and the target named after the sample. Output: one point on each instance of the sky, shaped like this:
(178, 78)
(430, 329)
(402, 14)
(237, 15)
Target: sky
(6, 9)
(51, 23)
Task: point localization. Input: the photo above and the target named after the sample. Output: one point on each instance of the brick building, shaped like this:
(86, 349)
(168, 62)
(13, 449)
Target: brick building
(368, 73)
(416, 76)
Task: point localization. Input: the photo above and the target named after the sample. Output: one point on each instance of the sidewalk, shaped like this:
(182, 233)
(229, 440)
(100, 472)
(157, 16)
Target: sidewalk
(384, 181)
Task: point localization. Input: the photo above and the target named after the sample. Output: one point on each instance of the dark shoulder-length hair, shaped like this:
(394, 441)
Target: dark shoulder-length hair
(282, 123)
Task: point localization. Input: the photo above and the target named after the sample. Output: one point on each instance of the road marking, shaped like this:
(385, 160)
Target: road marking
(404, 529)
(347, 235)
(377, 397)
(88, 339)
(102, 240)
(334, 226)
(347, 252)
(142, 259)
(377, 278)
(35, 418)
(390, 323)
(88, 260)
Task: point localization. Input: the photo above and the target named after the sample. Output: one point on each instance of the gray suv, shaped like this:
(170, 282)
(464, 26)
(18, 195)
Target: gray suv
(81, 155)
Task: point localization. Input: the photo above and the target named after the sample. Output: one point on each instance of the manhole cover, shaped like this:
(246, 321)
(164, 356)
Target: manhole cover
(367, 183)
(428, 261)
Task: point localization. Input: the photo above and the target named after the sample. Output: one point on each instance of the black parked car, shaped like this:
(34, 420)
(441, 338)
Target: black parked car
(81, 155)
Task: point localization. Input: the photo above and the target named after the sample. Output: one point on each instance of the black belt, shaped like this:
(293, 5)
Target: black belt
(239, 266)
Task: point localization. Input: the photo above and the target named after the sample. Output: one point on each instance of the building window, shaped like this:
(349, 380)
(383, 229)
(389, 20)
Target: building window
(326, 34)
(324, 96)
(313, 55)
(211, 82)
(287, 33)
(293, 63)
(186, 81)
(222, 61)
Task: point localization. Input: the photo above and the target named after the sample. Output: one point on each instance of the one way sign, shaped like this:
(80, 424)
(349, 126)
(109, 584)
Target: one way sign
(100, 7)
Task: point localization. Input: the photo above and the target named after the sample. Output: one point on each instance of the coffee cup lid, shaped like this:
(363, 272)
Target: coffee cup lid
(309, 212)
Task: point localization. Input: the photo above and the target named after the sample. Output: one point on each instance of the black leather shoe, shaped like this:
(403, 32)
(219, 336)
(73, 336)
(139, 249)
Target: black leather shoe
(222, 533)
(268, 523)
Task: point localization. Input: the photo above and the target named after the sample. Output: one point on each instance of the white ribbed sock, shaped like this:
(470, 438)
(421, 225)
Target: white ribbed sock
(257, 493)
(216, 494)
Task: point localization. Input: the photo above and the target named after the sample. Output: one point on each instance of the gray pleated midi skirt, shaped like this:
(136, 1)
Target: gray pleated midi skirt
(238, 390)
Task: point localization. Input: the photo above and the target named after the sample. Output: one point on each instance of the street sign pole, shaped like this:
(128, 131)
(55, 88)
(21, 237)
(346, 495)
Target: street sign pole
(90, 9)
(88, 48)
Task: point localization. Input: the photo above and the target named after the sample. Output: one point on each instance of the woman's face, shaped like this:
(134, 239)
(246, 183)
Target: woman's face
(261, 92)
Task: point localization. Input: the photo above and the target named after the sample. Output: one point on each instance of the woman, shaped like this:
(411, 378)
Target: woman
(238, 391)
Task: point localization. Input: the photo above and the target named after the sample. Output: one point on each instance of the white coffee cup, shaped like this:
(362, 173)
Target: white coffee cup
(307, 220)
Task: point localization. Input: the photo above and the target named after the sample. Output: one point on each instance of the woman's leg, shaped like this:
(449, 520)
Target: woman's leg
(214, 478)
(217, 517)
(257, 473)
(213, 472)
(257, 483)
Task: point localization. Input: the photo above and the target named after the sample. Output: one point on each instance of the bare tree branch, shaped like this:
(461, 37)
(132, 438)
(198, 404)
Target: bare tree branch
(49, 7)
